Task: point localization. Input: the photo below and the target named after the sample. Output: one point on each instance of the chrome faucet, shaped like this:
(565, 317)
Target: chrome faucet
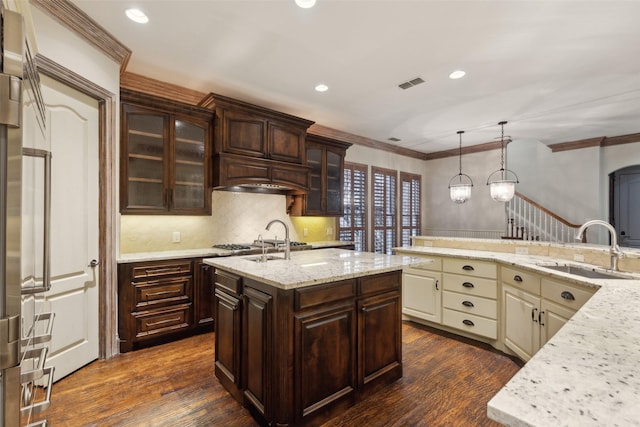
(287, 243)
(615, 249)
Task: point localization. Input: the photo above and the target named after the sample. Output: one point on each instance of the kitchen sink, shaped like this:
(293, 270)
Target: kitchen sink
(588, 272)
(264, 258)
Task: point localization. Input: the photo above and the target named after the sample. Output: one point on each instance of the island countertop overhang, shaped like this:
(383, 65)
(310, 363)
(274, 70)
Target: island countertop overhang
(307, 268)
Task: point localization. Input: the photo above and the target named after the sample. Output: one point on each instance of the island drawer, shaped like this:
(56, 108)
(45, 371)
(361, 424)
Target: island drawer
(470, 304)
(323, 294)
(159, 292)
(378, 283)
(470, 285)
(157, 321)
(229, 282)
(566, 295)
(161, 268)
(470, 267)
(470, 323)
(521, 280)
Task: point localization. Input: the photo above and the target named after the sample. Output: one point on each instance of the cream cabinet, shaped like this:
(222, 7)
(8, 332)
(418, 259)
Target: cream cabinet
(469, 296)
(421, 292)
(535, 308)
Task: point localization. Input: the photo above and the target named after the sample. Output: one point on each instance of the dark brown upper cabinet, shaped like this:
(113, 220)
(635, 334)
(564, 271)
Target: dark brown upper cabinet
(325, 157)
(165, 156)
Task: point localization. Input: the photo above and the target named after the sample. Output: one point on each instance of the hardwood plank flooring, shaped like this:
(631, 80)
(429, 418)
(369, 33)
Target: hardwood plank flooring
(447, 381)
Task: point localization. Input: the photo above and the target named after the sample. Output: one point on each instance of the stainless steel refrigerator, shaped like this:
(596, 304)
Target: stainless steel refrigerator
(25, 331)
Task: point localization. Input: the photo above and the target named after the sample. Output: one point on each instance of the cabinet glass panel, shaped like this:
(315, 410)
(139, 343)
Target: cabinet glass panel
(333, 182)
(189, 165)
(146, 161)
(314, 197)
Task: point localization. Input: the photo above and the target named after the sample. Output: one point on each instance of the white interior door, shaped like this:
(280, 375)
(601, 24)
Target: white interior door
(72, 131)
(628, 218)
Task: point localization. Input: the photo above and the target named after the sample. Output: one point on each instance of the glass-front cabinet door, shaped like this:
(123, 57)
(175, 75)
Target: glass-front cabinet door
(165, 151)
(314, 197)
(334, 183)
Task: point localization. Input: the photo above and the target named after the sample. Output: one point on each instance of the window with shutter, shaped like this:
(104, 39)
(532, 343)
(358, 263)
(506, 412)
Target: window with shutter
(353, 222)
(383, 201)
(410, 205)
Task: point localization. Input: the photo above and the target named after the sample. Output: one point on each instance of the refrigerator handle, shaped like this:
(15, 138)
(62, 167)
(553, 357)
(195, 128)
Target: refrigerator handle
(46, 228)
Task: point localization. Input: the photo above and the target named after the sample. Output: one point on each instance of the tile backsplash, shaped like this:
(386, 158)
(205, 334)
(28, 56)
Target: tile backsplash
(235, 218)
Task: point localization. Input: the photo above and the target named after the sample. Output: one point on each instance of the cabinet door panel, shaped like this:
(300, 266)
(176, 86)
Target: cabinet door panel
(227, 327)
(522, 334)
(190, 176)
(326, 354)
(334, 182)
(243, 134)
(553, 318)
(421, 295)
(286, 142)
(379, 335)
(257, 350)
(204, 291)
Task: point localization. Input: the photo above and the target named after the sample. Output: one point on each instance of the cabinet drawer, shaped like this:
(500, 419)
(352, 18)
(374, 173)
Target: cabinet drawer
(566, 295)
(470, 323)
(380, 283)
(321, 294)
(157, 269)
(175, 290)
(159, 321)
(470, 304)
(436, 265)
(229, 282)
(470, 285)
(521, 280)
(470, 267)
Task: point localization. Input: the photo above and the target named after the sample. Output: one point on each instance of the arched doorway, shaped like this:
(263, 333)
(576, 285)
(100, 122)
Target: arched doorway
(624, 205)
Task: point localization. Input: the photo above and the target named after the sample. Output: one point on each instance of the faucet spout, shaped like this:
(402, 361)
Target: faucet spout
(614, 250)
(287, 242)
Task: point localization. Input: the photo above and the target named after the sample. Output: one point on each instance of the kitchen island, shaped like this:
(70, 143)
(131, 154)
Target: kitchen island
(297, 341)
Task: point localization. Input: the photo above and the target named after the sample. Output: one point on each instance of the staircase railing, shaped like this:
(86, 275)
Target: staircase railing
(527, 220)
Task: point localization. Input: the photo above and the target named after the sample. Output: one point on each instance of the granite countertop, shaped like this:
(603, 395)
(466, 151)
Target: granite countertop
(588, 374)
(306, 268)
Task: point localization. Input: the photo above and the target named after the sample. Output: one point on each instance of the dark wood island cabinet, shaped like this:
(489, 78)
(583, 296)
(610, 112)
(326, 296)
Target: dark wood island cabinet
(299, 356)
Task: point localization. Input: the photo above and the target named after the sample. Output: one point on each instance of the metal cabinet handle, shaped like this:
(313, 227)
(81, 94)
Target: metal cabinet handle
(437, 282)
(467, 303)
(467, 268)
(468, 322)
(468, 285)
(540, 318)
(517, 278)
(567, 296)
(533, 314)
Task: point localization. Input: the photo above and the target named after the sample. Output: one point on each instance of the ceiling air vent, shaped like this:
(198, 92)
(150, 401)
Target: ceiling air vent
(411, 83)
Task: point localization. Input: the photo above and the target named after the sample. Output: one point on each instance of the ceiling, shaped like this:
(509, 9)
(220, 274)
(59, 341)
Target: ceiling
(557, 71)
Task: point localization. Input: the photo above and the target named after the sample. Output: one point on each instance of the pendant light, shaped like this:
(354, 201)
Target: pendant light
(502, 187)
(460, 185)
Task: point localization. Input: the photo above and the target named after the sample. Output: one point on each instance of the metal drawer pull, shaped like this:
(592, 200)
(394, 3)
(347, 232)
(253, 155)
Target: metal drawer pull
(162, 322)
(38, 339)
(468, 322)
(467, 268)
(517, 278)
(540, 318)
(567, 295)
(533, 314)
(467, 303)
(437, 281)
(468, 285)
(38, 407)
(162, 270)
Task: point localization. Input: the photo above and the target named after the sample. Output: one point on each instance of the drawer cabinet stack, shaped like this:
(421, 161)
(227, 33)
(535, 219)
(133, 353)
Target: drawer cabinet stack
(158, 300)
(469, 297)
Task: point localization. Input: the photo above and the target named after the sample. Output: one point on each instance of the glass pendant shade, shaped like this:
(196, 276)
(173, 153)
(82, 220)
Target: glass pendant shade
(460, 185)
(501, 187)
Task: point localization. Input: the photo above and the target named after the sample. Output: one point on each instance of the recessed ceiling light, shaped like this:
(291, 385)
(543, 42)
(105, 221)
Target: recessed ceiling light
(306, 4)
(457, 74)
(322, 88)
(136, 15)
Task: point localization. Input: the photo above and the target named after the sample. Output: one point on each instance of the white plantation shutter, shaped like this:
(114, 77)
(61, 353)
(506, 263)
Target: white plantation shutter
(383, 201)
(411, 206)
(353, 222)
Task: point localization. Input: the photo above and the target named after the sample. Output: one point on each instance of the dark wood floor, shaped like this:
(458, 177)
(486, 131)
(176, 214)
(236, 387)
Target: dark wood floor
(446, 381)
